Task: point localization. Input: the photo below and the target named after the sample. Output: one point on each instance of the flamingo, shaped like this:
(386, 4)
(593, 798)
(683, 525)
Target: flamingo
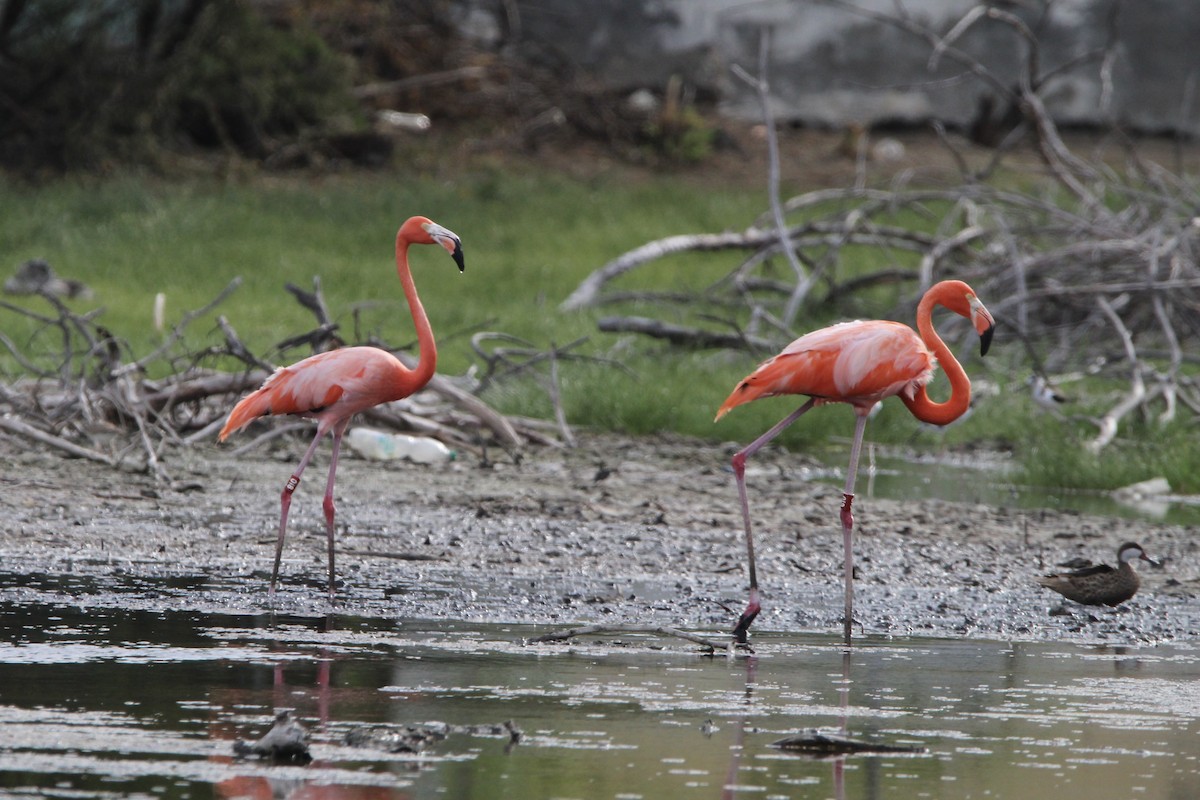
(332, 387)
(859, 363)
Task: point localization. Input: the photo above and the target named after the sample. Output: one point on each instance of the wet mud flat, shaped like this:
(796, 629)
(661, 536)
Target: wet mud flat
(616, 531)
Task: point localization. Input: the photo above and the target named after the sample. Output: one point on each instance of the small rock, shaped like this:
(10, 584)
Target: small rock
(286, 742)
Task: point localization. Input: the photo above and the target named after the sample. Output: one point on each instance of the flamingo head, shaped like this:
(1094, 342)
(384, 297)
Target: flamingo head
(983, 322)
(960, 298)
(423, 230)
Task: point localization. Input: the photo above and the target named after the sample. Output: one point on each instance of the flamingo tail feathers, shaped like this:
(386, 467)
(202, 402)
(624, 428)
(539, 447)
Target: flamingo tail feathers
(251, 407)
(751, 388)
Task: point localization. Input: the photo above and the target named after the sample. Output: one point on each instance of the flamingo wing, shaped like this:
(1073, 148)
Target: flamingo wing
(331, 385)
(858, 362)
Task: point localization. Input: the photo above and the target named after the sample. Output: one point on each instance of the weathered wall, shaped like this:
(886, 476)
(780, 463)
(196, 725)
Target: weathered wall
(830, 66)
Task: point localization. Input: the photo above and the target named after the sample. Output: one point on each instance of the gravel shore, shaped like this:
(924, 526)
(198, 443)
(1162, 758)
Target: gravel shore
(616, 531)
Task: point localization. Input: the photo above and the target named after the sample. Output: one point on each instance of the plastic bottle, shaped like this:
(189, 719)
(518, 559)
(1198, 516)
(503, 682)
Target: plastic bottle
(384, 446)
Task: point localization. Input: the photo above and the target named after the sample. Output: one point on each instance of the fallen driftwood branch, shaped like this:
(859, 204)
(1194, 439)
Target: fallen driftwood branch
(274, 433)
(520, 356)
(203, 386)
(656, 630)
(20, 428)
(314, 301)
(820, 233)
(560, 416)
(494, 421)
(239, 350)
(588, 292)
(459, 75)
(762, 88)
(93, 384)
(178, 331)
(679, 335)
(1137, 395)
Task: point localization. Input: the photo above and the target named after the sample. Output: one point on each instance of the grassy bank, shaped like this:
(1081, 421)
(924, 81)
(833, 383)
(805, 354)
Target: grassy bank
(529, 239)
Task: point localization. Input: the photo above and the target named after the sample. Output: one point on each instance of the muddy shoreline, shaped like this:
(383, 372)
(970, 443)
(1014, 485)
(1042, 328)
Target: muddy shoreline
(617, 531)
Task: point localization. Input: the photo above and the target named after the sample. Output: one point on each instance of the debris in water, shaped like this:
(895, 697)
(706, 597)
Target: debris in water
(285, 743)
(405, 739)
(416, 738)
(659, 630)
(825, 744)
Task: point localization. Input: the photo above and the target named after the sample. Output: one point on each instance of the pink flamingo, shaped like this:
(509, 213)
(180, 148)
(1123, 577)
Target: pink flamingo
(859, 363)
(332, 387)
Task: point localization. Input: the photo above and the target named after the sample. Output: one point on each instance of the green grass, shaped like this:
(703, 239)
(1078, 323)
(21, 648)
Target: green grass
(529, 239)
(528, 242)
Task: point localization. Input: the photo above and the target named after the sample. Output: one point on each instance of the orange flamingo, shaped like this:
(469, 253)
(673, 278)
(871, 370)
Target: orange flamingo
(332, 387)
(859, 363)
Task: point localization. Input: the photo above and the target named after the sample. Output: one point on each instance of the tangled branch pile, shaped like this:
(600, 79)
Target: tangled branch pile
(87, 396)
(1094, 269)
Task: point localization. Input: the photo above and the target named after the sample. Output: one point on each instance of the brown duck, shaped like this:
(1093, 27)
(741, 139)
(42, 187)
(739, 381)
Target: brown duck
(1101, 585)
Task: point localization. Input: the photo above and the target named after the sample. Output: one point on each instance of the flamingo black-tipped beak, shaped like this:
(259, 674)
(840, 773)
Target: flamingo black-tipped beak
(985, 339)
(983, 321)
(449, 240)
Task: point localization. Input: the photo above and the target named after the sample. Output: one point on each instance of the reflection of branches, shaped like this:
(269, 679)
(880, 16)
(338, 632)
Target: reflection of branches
(1088, 261)
(657, 630)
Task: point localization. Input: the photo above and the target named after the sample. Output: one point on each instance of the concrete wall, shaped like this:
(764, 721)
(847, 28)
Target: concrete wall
(830, 66)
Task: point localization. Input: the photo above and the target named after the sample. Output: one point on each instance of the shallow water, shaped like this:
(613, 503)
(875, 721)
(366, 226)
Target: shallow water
(104, 702)
(983, 479)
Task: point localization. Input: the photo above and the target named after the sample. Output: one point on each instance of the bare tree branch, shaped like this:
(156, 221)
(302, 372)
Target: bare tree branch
(13, 425)
(763, 89)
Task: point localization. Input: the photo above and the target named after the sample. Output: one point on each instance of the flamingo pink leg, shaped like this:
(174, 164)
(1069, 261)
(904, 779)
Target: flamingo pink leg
(285, 503)
(848, 518)
(739, 472)
(328, 504)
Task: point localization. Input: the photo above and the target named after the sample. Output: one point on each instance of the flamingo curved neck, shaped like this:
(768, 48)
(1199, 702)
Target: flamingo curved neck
(427, 357)
(921, 405)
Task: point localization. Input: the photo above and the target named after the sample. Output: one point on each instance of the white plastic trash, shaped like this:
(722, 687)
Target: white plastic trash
(384, 446)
